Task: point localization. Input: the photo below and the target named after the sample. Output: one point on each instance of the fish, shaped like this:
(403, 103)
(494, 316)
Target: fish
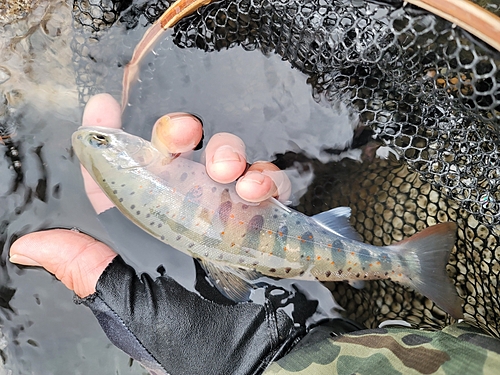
(238, 241)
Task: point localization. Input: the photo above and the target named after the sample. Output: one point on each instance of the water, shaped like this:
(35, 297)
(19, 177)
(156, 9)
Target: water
(259, 98)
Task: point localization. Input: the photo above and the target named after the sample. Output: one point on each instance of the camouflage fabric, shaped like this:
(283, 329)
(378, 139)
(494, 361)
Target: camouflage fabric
(457, 349)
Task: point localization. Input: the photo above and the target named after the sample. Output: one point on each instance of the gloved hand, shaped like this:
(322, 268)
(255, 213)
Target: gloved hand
(156, 321)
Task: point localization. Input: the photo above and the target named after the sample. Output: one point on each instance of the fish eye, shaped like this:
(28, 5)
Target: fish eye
(98, 141)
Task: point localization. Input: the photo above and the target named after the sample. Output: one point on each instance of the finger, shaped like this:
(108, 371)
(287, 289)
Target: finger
(225, 157)
(96, 196)
(176, 133)
(262, 181)
(74, 258)
(102, 110)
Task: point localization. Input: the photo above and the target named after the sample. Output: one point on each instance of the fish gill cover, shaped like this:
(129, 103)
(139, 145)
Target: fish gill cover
(426, 88)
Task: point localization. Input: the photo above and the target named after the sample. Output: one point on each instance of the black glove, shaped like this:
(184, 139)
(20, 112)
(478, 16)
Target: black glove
(172, 330)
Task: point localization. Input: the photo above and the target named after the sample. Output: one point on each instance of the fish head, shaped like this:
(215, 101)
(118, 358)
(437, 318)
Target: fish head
(99, 149)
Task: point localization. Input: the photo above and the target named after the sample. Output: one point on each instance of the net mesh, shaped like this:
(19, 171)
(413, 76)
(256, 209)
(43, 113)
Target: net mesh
(426, 88)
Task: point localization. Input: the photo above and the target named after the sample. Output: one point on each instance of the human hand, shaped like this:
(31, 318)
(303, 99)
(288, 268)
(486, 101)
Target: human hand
(78, 260)
(179, 133)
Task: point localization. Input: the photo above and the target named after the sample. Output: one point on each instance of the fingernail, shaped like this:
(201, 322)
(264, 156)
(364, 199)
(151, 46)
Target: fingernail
(254, 177)
(182, 116)
(224, 154)
(25, 261)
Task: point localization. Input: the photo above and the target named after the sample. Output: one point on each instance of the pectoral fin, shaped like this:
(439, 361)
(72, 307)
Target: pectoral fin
(232, 283)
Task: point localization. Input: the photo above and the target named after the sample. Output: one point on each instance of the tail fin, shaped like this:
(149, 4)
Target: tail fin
(432, 247)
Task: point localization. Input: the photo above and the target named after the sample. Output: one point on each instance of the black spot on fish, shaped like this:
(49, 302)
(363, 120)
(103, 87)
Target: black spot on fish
(358, 274)
(298, 222)
(224, 211)
(272, 270)
(162, 238)
(275, 210)
(161, 270)
(244, 206)
(275, 216)
(214, 189)
(386, 273)
(148, 215)
(340, 272)
(132, 193)
(241, 260)
(255, 224)
(132, 207)
(103, 180)
(160, 225)
(349, 269)
(178, 238)
(301, 273)
(255, 263)
(112, 182)
(328, 273)
(122, 185)
(288, 269)
(221, 256)
(191, 245)
(115, 191)
(183, 177)
(120, 200)
(138, 212)
(152, 223)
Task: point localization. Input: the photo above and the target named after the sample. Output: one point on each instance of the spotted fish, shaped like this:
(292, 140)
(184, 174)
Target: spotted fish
(179, 204)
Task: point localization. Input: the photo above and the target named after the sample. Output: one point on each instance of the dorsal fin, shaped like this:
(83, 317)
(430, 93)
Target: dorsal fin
(337, 221)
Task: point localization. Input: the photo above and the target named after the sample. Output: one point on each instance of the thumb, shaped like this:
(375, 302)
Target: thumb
(74, 258)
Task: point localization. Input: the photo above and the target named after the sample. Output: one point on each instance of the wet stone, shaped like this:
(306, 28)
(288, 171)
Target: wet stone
(388, 215)
(442, 217)
(382, 196)
(397, 223)
(379, 208)
(472, 222)
(405, 187)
